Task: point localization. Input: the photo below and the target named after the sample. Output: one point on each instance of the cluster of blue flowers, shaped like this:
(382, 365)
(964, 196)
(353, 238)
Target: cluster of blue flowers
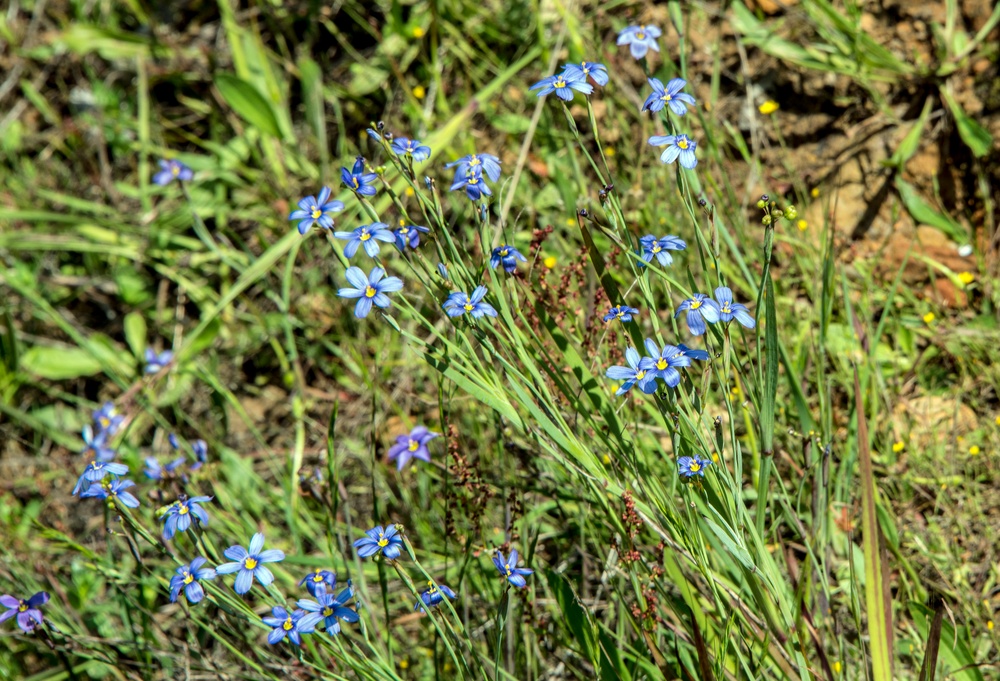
(700, 309)
(101, 478)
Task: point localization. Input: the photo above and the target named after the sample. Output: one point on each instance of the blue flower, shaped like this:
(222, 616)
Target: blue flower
(170, 170)
(96, 445)
(623, 313)
(660, 248)
(316, 210)
(113, 490)
(460, 303)
(670, 95)
(678, 146)
(694, 354)
(319, 579)
(155, 363)
(728, 310)
(249, 563)
(483, 163)
(433, 595)
(412, 446)
(584, 69)
(667, 361)
(699, 308)
(200, 449)
(357, 179)
(178, 515)
(367, 236)
(473, 183)
(508, 255)
(442, 270)
(187, 578)
(378, 540)
(640, 39)
(563, 86)
(690, 466)
(154, 471)
(330, 608)
(408, 235)
(28, 612)
(404, 145)
(107, 419)
(639, 370)
(369, 290)
(507, 567)
(97, 470)
(291, 625)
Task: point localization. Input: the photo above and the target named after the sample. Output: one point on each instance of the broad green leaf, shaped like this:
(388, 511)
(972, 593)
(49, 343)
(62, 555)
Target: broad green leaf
(924, 213)
(59, 364)
(248, 103)
(908, 147)
(975, 136)
(135, 333)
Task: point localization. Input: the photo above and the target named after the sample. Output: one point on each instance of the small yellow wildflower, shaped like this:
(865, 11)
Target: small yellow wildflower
(974, 449)
(715, 457)
(997, 420)
(836, 666)
(419, 92)
(898, 446)
(768, 107)
(814, 192)
(418, 32)
(404, 663)
(966, 278)
(802, 225)
(606, 459)
(571, 222)
(550, 262)
(928, 318)
(989, 625)
(409, 192)
(609, 152)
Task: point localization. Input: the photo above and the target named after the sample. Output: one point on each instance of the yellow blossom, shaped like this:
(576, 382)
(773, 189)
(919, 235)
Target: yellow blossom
(419, 92)
(609, 152)
(814, 192)
(974, 449)
(404, 663)
(898, 446)
(836, 666)
(928, 318)
(550, 262)
(418, 32)
(966, 278)
(409, 192)
(989, 625)
(802, 225)
(606, 459)
(768, 107)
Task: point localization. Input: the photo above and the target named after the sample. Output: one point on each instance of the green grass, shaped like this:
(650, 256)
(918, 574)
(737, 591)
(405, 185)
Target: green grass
(844, 512)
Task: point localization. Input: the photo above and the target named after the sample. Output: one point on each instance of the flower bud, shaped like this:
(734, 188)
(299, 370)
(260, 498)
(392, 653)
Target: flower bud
(766, 220)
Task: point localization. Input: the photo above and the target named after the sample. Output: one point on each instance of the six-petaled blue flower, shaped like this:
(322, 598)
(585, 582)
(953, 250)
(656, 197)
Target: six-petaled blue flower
(507, 567)
(563, 86)
(412, 446)
(367, 236)
(316, 210)
(357, 180)
(187, 578)
(408, 235)
(330, 608)
(640, 370)
(669, 95)
(473, 183)
(319, 579)
(508, 256)
(249, 563)
(667, 361)
(179, 514)
(154, 471)
(660, 248)
(170, 170)
(622, 313)
(728, 310)
(292, 625)
(433, 595)
(28, 611)
(113, 489)
(97, 470)
(460, 303)
(482, 163)
(640, 39)
(585, 69)
(699, 308)
(107, 419)
(156, 363)
(404, 145)
(369, 289)
(690, 466)
(380, 540)
(677, 147)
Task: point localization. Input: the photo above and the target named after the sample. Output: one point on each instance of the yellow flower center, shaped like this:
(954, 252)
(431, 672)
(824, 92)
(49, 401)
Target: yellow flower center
(474, 161)
(661, 364)
(473, 180)
(105, 422)
(22, 606)
(468, 307)
(250, 563)
(365, 236)
(318, 577)
(695, 304)
(414, 446)
(287, 626)
(431, 588)
(665, 97)
(586, 69)
(188, 578)
(656, 249)
(726, 309)
(682, 144)
(640, 35)
(383, 542)
(404, 230)
(327, 611)
(507, 568)
(316, 213)
(503, 251)
(182, 509)
(355, 180)
(695, 467)
(640, 374)
(620, 314)
(369, 292)
(176, 170)
(559, 83)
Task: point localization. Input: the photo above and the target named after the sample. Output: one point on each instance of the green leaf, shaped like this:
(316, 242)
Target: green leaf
(59, 364)
(924, 213)
(577, 618)
(248, 103)
(975, 136)
(135, 333)
(955, 658)
(908, 147)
